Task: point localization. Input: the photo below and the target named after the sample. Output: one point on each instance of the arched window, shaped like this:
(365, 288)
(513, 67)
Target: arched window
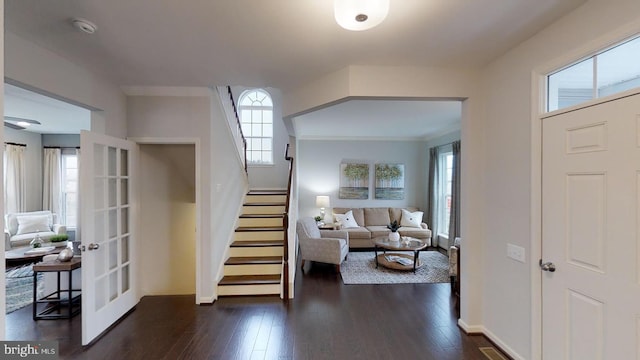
(256, 115)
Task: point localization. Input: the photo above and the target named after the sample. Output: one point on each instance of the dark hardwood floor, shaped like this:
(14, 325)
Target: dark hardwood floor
(326, 320)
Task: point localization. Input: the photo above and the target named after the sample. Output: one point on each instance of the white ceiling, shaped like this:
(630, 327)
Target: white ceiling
(55, 116)
(276, 43)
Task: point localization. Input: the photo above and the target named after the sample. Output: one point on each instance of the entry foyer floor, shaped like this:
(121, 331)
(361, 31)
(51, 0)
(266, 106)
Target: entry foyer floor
(326, 320)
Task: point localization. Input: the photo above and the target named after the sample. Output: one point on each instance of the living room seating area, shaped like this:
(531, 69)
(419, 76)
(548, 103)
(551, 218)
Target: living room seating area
(365, 224)
(21, 228)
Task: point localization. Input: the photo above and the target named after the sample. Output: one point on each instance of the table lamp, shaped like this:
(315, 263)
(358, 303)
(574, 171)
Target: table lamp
(322, 201)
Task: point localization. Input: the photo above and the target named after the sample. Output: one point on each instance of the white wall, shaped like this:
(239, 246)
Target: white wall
(270, 176)
(33, 165)
(319, 171)
(221, 175)
(507, 81)
(167, 220)
(61, 140)
(36, 68)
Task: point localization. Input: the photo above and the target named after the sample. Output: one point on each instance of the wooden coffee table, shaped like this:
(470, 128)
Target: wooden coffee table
(405, 244)
(23, 255)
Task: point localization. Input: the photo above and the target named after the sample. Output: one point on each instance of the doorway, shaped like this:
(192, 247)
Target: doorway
(167, 221)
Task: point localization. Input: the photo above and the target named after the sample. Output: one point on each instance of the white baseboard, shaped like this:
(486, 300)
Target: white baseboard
(479, 329)
(207, 299)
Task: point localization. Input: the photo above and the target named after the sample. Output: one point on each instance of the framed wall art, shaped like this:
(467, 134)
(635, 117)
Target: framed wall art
(354, 181)
(389, 182)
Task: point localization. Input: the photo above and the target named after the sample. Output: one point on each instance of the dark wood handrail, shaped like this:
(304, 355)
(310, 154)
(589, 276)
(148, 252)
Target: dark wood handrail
(285, 220)
(244, 140)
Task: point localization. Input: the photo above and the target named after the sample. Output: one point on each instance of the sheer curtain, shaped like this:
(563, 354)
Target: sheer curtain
(432, 207)
(454, 218)
(51, 181)
(14, 178)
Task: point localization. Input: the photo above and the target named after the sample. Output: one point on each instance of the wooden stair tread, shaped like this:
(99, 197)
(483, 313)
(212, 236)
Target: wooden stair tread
(257, 243)
(259, 228)
(261, 216)
(267, 192)
(253, 260)
(264, 204)
(250, 280)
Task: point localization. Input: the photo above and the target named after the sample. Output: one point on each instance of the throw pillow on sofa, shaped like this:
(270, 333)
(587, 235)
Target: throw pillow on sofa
(411, 219)
(32, 223)
(347, 220)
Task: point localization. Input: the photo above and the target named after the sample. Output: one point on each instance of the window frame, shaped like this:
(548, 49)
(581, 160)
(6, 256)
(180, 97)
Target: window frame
(247, 124)
(596, 93)
(445, 180)
(65, 154)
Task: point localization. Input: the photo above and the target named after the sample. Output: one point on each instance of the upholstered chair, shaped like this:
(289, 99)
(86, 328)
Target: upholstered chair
(454, 254)
(327, 246)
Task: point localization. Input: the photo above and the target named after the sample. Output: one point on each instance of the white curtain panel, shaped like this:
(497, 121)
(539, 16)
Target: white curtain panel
(51, 181)
(14, 179)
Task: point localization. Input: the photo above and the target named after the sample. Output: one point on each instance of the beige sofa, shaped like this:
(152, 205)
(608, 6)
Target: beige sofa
(373, 223)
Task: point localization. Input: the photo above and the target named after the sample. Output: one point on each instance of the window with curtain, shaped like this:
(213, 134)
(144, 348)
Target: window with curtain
(445, 164)
(256, 116)
(14, 178)
(70, 188)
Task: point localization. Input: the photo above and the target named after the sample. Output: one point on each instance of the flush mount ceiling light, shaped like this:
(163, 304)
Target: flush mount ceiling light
(84, 25)
(358, 15)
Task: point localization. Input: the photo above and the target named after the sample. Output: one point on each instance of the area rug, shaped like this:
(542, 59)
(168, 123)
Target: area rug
(360, 268)
(19, 287)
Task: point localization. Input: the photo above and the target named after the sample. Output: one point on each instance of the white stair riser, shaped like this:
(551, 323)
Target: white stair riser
(265, 198)
(259, 235)
(253, 269)
(228, 290)
(259, 222)
(256, 251)
(274, 209)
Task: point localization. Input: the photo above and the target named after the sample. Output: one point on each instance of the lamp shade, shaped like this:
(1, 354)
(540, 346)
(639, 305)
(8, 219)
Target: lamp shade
(322, 201)
(358, 15)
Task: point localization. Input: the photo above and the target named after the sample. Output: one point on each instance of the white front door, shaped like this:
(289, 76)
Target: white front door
(107, 231)
(590, 223)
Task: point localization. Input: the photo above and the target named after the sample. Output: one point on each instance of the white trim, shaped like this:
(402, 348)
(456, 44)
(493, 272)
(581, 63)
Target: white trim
(479, 329)
(538, 78)
(206, 300)
(199, 200)
(178, 91)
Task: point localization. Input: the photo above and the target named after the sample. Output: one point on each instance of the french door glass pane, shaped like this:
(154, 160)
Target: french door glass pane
(112, 161)
(124, 162)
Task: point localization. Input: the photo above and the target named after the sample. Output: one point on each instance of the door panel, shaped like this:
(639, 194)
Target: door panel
(108, 239)
(591, 193)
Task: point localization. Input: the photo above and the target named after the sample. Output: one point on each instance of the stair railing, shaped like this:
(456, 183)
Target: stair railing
(231, 111)
(285, 223)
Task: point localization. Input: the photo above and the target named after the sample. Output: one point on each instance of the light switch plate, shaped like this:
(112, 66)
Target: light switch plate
(515, 252)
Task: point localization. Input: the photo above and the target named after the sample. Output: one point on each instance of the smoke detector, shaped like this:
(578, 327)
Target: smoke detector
(84, 25)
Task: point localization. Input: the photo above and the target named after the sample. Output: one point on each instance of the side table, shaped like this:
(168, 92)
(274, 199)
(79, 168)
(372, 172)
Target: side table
(54, 302)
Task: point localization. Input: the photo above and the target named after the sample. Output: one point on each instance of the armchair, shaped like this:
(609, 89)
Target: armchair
(327, 246)
(454, 265)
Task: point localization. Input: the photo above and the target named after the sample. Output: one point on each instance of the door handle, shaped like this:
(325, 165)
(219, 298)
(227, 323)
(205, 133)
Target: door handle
(93, 246)
(548, 266)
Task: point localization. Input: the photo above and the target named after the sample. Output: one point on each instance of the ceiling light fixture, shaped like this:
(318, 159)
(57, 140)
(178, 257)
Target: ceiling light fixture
(358, 15)
(84, 25)
(23, 123)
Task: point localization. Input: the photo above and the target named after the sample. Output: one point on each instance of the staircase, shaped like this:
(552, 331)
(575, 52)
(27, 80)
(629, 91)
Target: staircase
(254, 266)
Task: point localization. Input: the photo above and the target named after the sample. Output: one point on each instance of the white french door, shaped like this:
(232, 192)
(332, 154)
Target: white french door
(590, 229)
(107, 231)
